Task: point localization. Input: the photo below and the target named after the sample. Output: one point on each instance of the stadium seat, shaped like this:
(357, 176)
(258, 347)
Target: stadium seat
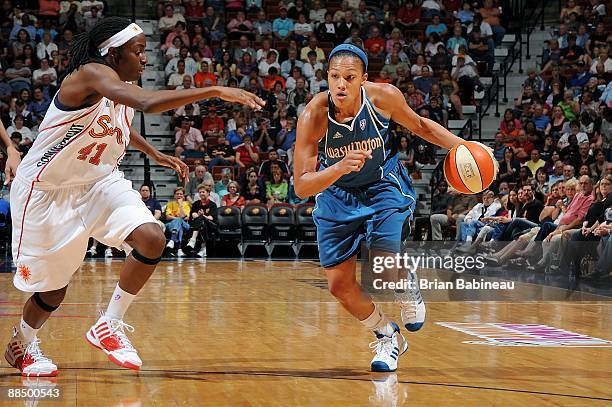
(254, 227)
(229, 224)
(281, 227)
(306, 232)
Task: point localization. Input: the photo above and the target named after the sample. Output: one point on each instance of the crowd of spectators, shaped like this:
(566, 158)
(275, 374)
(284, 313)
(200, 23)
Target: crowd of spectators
(552, 199)
(433, 50)
(35, 38)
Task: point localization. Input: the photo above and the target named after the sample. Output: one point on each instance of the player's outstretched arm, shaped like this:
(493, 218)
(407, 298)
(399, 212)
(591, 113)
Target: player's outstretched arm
(13, 157)
(105, 81)
(140, 144)
(392, 100)
(311, 127)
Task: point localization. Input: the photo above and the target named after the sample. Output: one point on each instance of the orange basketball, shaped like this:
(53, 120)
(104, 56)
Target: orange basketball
(470, 167)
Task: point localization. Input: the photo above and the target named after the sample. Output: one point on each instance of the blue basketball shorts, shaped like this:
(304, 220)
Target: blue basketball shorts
(376, 212)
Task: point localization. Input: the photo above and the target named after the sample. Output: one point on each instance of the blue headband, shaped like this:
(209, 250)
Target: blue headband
(353, 50)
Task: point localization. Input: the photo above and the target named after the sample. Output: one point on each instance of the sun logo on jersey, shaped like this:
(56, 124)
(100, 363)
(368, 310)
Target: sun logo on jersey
(24, 272)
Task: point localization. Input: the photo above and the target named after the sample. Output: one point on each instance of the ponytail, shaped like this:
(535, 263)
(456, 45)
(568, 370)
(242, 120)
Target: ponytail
(84, 48)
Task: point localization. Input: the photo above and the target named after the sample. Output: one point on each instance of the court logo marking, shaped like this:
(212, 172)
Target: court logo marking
(501, 334)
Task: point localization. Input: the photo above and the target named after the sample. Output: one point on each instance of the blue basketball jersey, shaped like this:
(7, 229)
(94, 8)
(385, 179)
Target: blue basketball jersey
(368, 130)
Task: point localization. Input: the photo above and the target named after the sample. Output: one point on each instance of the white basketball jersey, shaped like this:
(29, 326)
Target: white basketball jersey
(76, 147)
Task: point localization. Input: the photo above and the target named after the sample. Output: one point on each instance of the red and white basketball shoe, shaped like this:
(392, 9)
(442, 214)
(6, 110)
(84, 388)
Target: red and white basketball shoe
(109, 335)
(28, 358)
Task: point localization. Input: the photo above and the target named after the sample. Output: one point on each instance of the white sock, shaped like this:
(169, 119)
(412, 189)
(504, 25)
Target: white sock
(27, 331)
(378, 322)
(119, 303)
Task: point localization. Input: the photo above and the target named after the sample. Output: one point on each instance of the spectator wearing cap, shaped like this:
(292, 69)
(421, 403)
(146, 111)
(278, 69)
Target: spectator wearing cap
(221, 153)
(282, 26)
(188, 141)
(212, 125)
(191, 111)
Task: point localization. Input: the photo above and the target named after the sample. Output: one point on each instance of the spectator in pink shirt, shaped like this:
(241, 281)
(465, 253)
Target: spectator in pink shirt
(189, 141)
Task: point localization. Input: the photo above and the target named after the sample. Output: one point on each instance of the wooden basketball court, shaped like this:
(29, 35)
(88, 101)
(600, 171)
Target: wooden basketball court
(268, 333)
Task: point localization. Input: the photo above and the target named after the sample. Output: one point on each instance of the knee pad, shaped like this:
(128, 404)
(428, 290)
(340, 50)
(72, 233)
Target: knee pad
(143, 259)
(42, 304)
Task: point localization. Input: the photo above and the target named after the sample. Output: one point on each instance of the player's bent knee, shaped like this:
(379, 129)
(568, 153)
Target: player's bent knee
(149, 240)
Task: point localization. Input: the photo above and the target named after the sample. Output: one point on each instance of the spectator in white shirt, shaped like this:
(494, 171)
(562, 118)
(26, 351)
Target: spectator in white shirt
(44, 69)
(45, 48)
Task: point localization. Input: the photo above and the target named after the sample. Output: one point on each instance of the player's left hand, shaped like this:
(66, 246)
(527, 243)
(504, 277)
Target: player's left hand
(12, 162)
(241, 96)
(176, 164)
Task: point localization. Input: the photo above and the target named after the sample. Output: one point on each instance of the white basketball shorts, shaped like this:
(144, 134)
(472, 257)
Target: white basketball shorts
(51, 227)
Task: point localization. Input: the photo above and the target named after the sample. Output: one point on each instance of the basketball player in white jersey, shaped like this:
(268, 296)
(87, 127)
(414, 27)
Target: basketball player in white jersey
(68, 189)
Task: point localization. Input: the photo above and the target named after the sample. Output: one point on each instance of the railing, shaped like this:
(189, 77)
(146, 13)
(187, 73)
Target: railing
(529, 21)
(491, 96)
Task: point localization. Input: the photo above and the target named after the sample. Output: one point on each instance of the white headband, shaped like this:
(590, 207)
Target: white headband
(120, 38)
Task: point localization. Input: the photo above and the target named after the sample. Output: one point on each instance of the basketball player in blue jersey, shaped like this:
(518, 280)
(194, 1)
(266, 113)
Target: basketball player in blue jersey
(362, 191)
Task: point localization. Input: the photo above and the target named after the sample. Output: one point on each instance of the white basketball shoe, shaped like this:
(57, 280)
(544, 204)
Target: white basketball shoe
(412, 306)
(28, 358)
(388, 350)
(109, 336)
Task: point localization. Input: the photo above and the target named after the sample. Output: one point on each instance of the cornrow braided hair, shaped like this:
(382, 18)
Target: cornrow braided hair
(85, 46)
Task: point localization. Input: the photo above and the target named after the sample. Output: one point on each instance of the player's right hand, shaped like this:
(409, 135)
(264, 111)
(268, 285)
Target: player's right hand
(236, 95)
(353, 161)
